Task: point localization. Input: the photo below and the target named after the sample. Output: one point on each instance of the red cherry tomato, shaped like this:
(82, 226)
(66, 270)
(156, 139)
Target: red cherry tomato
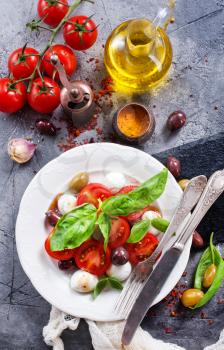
(21, 66)
(44, 97)
(92, 193)
(119, 233)
(82, 34)
(12, 98)
(91, 257)
(61, 255)
(52, 12)
(143, 249)
(66, 57)
(126, 189)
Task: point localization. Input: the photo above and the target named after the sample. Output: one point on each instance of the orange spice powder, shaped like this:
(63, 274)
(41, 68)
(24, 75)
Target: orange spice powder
(133, 120)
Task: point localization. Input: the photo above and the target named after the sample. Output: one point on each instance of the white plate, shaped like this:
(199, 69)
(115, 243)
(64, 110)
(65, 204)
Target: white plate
(98, 160)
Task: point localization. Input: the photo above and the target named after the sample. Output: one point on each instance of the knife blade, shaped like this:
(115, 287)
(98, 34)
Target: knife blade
(151, 289)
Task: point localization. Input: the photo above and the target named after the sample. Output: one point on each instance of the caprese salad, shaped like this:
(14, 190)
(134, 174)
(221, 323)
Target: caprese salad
(98, 233)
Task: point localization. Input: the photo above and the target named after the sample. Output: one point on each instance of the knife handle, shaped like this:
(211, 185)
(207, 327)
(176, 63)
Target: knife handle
(151, 289)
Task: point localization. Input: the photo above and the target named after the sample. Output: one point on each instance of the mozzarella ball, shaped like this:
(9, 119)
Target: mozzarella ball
(121, 272)
(150, 215)
(83, 282)
(116, 179)
(66, 203)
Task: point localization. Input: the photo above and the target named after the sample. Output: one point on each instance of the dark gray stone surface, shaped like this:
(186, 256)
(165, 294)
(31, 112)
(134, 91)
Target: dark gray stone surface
(195, 84)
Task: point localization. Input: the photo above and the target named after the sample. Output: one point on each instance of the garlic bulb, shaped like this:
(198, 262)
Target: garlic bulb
(21, 150)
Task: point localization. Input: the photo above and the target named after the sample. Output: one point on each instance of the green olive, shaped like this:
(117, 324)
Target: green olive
(191, 297)
(183, 183)
(209, 276)
(78, 182)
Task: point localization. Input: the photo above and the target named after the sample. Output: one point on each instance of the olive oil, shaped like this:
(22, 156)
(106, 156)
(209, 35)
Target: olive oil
(138, 55)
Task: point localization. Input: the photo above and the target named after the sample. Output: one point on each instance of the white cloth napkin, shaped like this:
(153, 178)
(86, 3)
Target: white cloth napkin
(107, 336)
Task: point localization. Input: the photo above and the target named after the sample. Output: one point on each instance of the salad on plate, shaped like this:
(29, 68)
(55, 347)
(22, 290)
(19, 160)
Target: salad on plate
(98, 233)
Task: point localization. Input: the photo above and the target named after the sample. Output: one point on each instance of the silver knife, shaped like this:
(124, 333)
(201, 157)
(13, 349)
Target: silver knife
(161, 272)
(151, 289)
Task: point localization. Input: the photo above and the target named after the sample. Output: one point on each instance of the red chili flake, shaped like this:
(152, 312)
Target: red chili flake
(184, 274)
(97, 60)
(203, 314)
(173, 313)
(210, 322)
(168, 330)
(220, 301)
(174, 293)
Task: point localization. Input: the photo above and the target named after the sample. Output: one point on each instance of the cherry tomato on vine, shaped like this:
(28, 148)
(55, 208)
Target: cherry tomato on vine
(12, 97)
(91, 257)
(60, 255)
(44, 96)
(51, 11)
(82, 34)
(21, 66)
(66, 57)
(143, 249)
(119, 232)
(92, 193)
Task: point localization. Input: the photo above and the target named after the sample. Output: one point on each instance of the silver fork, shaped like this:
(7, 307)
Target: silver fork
(134, 284)
(213, 190)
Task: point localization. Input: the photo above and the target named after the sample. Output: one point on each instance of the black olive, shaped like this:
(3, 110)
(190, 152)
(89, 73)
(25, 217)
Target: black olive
(45, 127)
(176, 120)
(119, 256)
(66, 264)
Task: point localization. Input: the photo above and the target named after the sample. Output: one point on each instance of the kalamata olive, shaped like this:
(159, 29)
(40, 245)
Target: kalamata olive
(119, 256)
(191, 297)
(197, 240)
(209, 276)
(183, 183)
(78, 182)
(45, 127)
(174, 166)
(66, 264)
(53, 216)
(176, 120)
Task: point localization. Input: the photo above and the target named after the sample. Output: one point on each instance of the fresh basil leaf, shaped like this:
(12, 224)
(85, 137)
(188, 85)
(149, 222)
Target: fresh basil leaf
(104, 222)
(137, 199)
(115, 283)
(210, 256)
(138, 231)
(99, 287)
(160, 224)
(74, 228)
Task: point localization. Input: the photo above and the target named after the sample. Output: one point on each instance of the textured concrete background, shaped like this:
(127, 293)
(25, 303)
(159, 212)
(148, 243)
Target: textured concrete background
(195, 84)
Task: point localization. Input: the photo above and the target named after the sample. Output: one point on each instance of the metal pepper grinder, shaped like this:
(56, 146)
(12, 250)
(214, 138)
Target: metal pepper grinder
(77, 97)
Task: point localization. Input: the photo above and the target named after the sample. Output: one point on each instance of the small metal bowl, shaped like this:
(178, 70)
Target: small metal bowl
(144, 135)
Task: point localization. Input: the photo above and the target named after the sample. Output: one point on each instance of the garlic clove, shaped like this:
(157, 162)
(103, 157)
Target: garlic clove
(21, 150)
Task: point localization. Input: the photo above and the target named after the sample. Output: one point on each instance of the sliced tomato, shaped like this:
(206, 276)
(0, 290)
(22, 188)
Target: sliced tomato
(127, 189)
(92, 193)
(119, 233)
(60, 255)
(133, 217)
(91, 257)
(143, 249)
